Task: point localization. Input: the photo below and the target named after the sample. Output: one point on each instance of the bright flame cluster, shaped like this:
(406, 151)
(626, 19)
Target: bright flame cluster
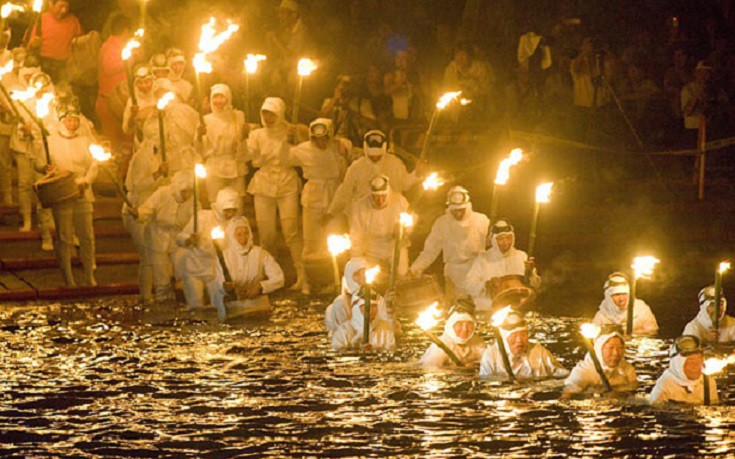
(543, 192)
(201, 64)
(515, 157)
(371, 274)
(127, 51)
(37, 6)
(140, 33)
(251, 63)
(99, 153)
(724, 267)
(165, 100)
(43, 105)
(217, 233)
(339, 244)
(433, 182)
(210, 40)
(499, 317)
(200, 171)
(447, 98)
(590, 330)
(406, 220)
(430, 317)
(24, 95)
(306, 66)
(7, 68)
(643, 266)
(714, 365)
(8, 8)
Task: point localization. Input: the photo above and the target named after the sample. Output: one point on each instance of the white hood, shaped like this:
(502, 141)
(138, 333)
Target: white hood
(230, 239)
(227, 198)
(225, 113)
(277, 106)
(452, 320)
(352, 266)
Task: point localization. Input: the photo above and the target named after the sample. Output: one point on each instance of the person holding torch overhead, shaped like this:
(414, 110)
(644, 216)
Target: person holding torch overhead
(702, 326)
(459, 336)
(684, 380)
(613, 309)
(459, 235)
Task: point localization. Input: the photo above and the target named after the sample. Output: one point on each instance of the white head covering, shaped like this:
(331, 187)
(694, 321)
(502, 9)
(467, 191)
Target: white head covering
(676, 370)
(224, 90)
(321, 127)
(507, 329)
(499, 228)
(182, 180)
(230, 239)
(352, 266)
(277, 106)
(615, 284)
(379, 185)
(599, 342)
(458, 316)
(174, 56)
(227, 198)
(380, 150)
(707, 298)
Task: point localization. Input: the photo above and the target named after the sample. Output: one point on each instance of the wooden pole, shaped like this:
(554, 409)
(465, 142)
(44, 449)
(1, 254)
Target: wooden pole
(504, 354)
(598, 366)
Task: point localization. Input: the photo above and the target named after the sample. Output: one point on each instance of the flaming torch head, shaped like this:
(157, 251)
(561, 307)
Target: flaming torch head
(140, 33)
(99, 153)
(643, 266)
(200, 171)
(714, 365)
(251, 63)
(543, 192)
(515, 157)
(406, 220)
(201, 64)
(165, 99)
(24, 95)
(306, 66)
(43, 105)
(8, 8)
(433, 182)
(127, 52)
(724, 267)
(339, 244)
(7, 68)
(210, 40)
(499, 317)
(430, 317)
(217, 233)
(590, 330)
(37, 6)
(371, 274)
(447, 98)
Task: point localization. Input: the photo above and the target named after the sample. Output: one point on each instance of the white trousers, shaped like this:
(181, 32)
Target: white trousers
(288, 211)
(27, 176)
(75, 216)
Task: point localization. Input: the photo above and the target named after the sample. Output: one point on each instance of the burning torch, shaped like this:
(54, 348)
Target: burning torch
(200, 172)
(642, 269)
(7, 68)
(127, 53)
(370, 275)
(711, 367)
(405, 220)
(501, 179)
(721, 270)
(161, 106)
(497, 321)
(590, 332)
(251, 67)
(5, 12)
(102, 156)
(441, 104)
(305, 68)
(217, 235)
(338, 245)
(428, 320)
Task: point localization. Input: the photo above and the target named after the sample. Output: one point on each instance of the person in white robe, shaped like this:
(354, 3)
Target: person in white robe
(460, 337)
(614, 307)
(177, 64)
(382, 327)
(702, 326)
(683, 382)
(340, 310)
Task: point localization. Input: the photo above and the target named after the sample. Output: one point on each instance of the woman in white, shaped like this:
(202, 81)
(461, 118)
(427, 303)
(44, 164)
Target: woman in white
(196, 261)
(683, 381)
(276, 185)
(222, 143)
(322, 160)
(69, 151)
(614, 308)
(177, 65)
(165, 213)
(180, 127)
(340, 310)
(459, 336)
(255, 273)
(528, 361)
(610, 350)
(703, 326)
(382, 328)
(145, 95)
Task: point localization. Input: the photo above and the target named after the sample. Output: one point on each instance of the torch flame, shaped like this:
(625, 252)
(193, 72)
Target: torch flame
(24, 95)
(515, 157)
(306, 66)
(7, 68)
(200, 171)
(217, 233)
(339, 244)
(99, 153)
(165, 99)
(643, 266)
(127, 52)
(447, 98)
(140, 33)
(201, 64)
(543, 192)
(406, 220)
(210, 40)
(714, 365)
(499, 317)
(251, 63)
(430, 317)
(433, 182)
(464, 101)
(43, 105)
(724, 267)
(8, 8)
(37, 6)
(590, 330)
(371, 274)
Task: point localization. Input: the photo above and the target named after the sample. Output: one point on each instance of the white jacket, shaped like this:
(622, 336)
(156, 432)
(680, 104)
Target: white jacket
(199, 261)
(165, 216)
(702, 324)
(644, 322)
(469, 354)
(537, 363)
(458, 242)
(372, 231)
(144, 101)
(356, 184)
(668, 390)
(337, 313)
(222, 148)
(268, 149)
(180, 124)
(382, 329)
(323, 169)
(72, 154)
(139, 181)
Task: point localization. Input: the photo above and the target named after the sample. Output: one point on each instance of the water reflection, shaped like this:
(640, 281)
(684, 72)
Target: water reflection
(109, 378)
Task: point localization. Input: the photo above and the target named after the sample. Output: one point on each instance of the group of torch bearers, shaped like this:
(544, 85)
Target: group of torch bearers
(178, 149)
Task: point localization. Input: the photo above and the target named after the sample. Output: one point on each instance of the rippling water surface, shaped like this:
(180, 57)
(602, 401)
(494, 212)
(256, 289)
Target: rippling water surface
(110, 379)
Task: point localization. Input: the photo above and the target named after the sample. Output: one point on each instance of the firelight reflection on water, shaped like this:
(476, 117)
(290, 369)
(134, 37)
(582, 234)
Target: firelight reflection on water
(107, 378)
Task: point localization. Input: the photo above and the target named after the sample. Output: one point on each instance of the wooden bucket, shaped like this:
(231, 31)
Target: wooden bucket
(510, 291)
(415, 294)
(56, 187)
(256, 307)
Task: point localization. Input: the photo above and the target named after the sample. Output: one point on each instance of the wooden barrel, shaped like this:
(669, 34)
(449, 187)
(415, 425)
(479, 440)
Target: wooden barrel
(510, 291)
(256, 307)
(414, 294)
(56, 187)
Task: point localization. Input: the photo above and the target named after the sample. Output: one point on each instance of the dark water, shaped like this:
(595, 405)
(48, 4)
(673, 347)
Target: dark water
(109, 379)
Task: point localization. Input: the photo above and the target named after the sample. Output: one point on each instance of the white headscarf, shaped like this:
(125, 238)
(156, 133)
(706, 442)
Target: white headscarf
(707, 298)
(505, 334)
(375, 151)
(599, 342)
(348, 281)
(277, 106)
(182, 180)
(494, 238)
(226, 112)
(452, 320)
(227, 198)
(676, 371)
(608, 306)
(467, 204)
(231, 241)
